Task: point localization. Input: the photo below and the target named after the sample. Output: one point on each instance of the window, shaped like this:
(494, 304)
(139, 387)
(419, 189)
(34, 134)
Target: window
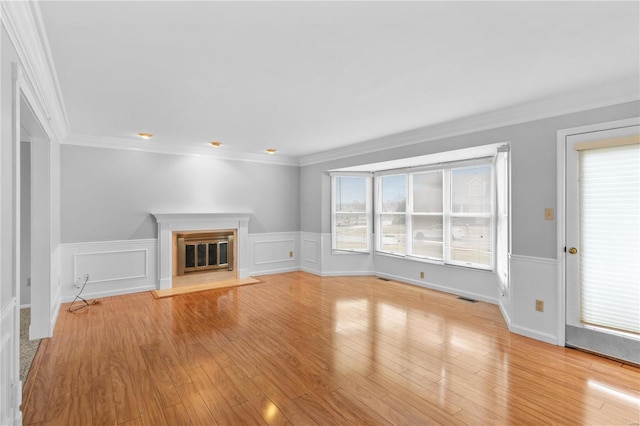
(450, 208)
(445, 214)
(351, 213)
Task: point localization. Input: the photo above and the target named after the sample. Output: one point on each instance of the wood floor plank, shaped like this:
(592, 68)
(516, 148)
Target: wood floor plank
(80, 410)
(176, 415)
(304, 349)
(148, 400)
(248, 415)
(124, 392)
(270, 413)
(212, 397)
(194, 406)
(103, 408)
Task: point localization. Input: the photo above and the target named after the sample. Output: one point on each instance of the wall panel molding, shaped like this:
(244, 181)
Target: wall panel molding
(534, 278)
(274, 252)
(115, 267)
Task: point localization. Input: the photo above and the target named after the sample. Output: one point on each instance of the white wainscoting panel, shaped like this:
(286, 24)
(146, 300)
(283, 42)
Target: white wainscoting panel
(311, 259)
(534, 278)
(9, 407)
(274, 252)
(344, 263)
(115, 267)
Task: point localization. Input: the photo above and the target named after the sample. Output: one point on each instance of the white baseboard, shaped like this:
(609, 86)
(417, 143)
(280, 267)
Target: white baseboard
(346, 273)
(534, 334)
(274, 271)
(444, 289)
(109, 293)
(505, 314)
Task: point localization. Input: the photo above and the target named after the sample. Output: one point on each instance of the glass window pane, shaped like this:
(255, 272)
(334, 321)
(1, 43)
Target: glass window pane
(189, 256)
(471, 240)
(224, 247)
(351, 231)
(213, 254)
(350, 194)
(427, 236)
(471, 189)
(393, 238)
(427, 192)
(394, 193)
(202, 255)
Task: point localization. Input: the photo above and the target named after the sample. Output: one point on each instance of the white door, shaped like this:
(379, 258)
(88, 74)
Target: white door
(603, 242)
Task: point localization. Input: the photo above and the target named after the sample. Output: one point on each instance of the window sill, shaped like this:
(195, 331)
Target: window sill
(348, 252)
(433, 262)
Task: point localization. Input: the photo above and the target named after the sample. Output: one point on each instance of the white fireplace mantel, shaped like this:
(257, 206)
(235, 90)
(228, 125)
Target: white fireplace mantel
(168, 223)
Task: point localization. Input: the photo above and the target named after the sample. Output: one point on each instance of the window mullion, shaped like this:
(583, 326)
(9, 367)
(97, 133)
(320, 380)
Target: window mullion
(408, 218)
(446, 215)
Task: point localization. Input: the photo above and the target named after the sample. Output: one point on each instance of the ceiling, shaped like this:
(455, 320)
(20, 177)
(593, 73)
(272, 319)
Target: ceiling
(306, 77)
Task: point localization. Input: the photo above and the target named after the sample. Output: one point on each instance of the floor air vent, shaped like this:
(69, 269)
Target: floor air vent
(466, 299)
(384, 279)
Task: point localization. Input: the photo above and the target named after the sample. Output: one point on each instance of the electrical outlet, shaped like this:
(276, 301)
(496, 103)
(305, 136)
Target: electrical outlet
(540, 305)
(290, 254)
(548, 214)
(81, 279)
(421, 274)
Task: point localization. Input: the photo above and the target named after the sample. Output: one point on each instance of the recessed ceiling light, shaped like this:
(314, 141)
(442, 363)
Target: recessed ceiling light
(145, 135)
(216, 144)
(271, 151)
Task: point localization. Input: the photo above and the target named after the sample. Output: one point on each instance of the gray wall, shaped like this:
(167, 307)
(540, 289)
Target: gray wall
(108, 194)
(534, 181)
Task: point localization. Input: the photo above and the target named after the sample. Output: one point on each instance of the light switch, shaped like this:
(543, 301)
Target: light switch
(548, 214)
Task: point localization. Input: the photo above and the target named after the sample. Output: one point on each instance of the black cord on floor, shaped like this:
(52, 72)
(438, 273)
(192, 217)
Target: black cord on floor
(81, 298)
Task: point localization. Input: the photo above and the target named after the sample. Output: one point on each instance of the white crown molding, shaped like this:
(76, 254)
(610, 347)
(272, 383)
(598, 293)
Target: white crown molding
(175, 149)
(23, 23)
(613, 93)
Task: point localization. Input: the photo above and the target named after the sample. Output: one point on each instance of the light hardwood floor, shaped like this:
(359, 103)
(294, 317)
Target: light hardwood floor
(301, 349)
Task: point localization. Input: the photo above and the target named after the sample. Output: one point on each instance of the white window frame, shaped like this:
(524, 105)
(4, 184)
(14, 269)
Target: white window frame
(368, 212)
(447, 213)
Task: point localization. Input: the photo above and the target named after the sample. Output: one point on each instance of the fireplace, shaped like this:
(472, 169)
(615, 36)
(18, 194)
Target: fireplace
(204, 252)
(193, 227)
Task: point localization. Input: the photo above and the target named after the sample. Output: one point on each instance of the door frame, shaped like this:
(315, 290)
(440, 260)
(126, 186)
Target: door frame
(562, 136)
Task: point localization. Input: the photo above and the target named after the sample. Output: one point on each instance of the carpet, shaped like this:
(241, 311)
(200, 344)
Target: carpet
(28, 348)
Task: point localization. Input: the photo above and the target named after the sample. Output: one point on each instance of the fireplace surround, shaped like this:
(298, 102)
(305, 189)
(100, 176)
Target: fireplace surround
(172, 224)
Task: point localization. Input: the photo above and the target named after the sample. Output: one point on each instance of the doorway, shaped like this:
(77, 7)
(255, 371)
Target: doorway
(30, 325)
(601, 234)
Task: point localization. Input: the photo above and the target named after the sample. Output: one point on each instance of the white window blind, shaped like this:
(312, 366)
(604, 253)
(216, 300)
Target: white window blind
(610, 237)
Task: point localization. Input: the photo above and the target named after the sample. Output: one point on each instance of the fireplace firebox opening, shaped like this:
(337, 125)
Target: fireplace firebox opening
(200, 252)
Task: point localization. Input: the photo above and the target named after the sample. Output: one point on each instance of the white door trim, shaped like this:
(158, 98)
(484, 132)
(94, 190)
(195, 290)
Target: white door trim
(562, 135)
